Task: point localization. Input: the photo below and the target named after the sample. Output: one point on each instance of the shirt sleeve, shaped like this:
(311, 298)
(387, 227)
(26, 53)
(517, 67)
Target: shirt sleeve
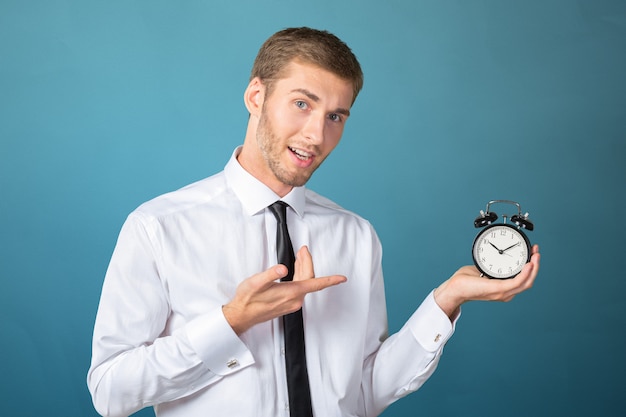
(223, 354)
(406, 359)
(400, 364)
(136, 361)
(430, 326)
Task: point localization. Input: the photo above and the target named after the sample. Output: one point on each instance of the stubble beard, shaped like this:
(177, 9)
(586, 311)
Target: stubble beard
(271, 148)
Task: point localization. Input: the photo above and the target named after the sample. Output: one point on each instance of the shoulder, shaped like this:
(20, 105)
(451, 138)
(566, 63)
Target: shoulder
(198, 194)
(317, 203)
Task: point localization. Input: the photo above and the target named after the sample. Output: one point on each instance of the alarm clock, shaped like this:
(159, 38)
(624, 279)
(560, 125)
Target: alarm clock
(501, 250)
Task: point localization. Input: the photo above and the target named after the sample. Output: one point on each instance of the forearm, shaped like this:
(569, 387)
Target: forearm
(198, 354)
(146, 375)
(400, 367)
(405, 361)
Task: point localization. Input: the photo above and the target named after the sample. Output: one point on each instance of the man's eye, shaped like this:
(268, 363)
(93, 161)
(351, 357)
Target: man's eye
(301, 104)
(335, 117)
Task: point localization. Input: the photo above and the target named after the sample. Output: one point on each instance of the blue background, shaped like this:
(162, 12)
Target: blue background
(105, 104)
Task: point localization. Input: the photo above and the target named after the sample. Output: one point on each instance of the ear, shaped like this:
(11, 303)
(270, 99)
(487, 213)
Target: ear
(254, 96)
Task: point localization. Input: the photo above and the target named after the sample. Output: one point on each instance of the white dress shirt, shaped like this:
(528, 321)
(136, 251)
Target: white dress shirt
(161, 339)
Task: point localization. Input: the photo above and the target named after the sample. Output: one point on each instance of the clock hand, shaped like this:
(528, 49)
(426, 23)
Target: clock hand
(512, 246)
(500, 251)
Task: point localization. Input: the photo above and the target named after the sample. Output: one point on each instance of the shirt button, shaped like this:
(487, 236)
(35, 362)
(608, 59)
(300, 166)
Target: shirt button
(282, 351)
(233, 363)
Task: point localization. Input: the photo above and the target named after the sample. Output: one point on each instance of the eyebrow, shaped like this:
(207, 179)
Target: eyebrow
(316, 99)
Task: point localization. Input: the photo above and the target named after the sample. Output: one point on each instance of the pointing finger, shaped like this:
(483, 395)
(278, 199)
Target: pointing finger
(318, 284)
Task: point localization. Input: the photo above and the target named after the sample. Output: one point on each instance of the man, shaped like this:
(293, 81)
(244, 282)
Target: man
(189, 318)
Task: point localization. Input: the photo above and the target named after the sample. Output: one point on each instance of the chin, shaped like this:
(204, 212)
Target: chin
(294, 180)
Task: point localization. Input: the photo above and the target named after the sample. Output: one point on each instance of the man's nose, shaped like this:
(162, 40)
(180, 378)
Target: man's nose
(313, 130)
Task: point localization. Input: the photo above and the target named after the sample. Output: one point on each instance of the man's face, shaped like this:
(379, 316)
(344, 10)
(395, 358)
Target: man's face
(301, 122)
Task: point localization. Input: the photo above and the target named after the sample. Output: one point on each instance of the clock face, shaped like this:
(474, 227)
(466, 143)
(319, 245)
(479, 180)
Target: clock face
(501, 251)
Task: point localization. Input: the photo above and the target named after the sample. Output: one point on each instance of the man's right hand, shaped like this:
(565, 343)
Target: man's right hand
(264, 297)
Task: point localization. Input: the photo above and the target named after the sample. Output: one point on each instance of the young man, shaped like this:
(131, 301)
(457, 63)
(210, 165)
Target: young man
(189, 318)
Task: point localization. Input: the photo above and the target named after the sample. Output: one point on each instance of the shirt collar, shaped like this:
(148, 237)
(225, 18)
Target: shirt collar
(253, 194)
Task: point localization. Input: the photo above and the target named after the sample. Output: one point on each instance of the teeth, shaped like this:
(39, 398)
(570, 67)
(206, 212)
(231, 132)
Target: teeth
(300, 154)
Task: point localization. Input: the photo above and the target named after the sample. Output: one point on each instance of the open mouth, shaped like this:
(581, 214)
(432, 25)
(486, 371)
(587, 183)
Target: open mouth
(300, 154)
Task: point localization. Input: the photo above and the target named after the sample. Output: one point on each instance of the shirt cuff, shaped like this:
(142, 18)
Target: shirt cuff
(216, 343)
(430, 325)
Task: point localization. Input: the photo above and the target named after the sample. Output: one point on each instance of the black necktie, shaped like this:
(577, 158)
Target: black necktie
(295, 359)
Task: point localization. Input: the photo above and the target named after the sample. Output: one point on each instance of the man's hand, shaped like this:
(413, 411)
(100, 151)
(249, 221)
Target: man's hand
(467, 285)
(263, 297)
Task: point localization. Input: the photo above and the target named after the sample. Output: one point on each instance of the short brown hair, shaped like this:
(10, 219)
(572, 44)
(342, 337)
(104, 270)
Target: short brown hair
(317, 47)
